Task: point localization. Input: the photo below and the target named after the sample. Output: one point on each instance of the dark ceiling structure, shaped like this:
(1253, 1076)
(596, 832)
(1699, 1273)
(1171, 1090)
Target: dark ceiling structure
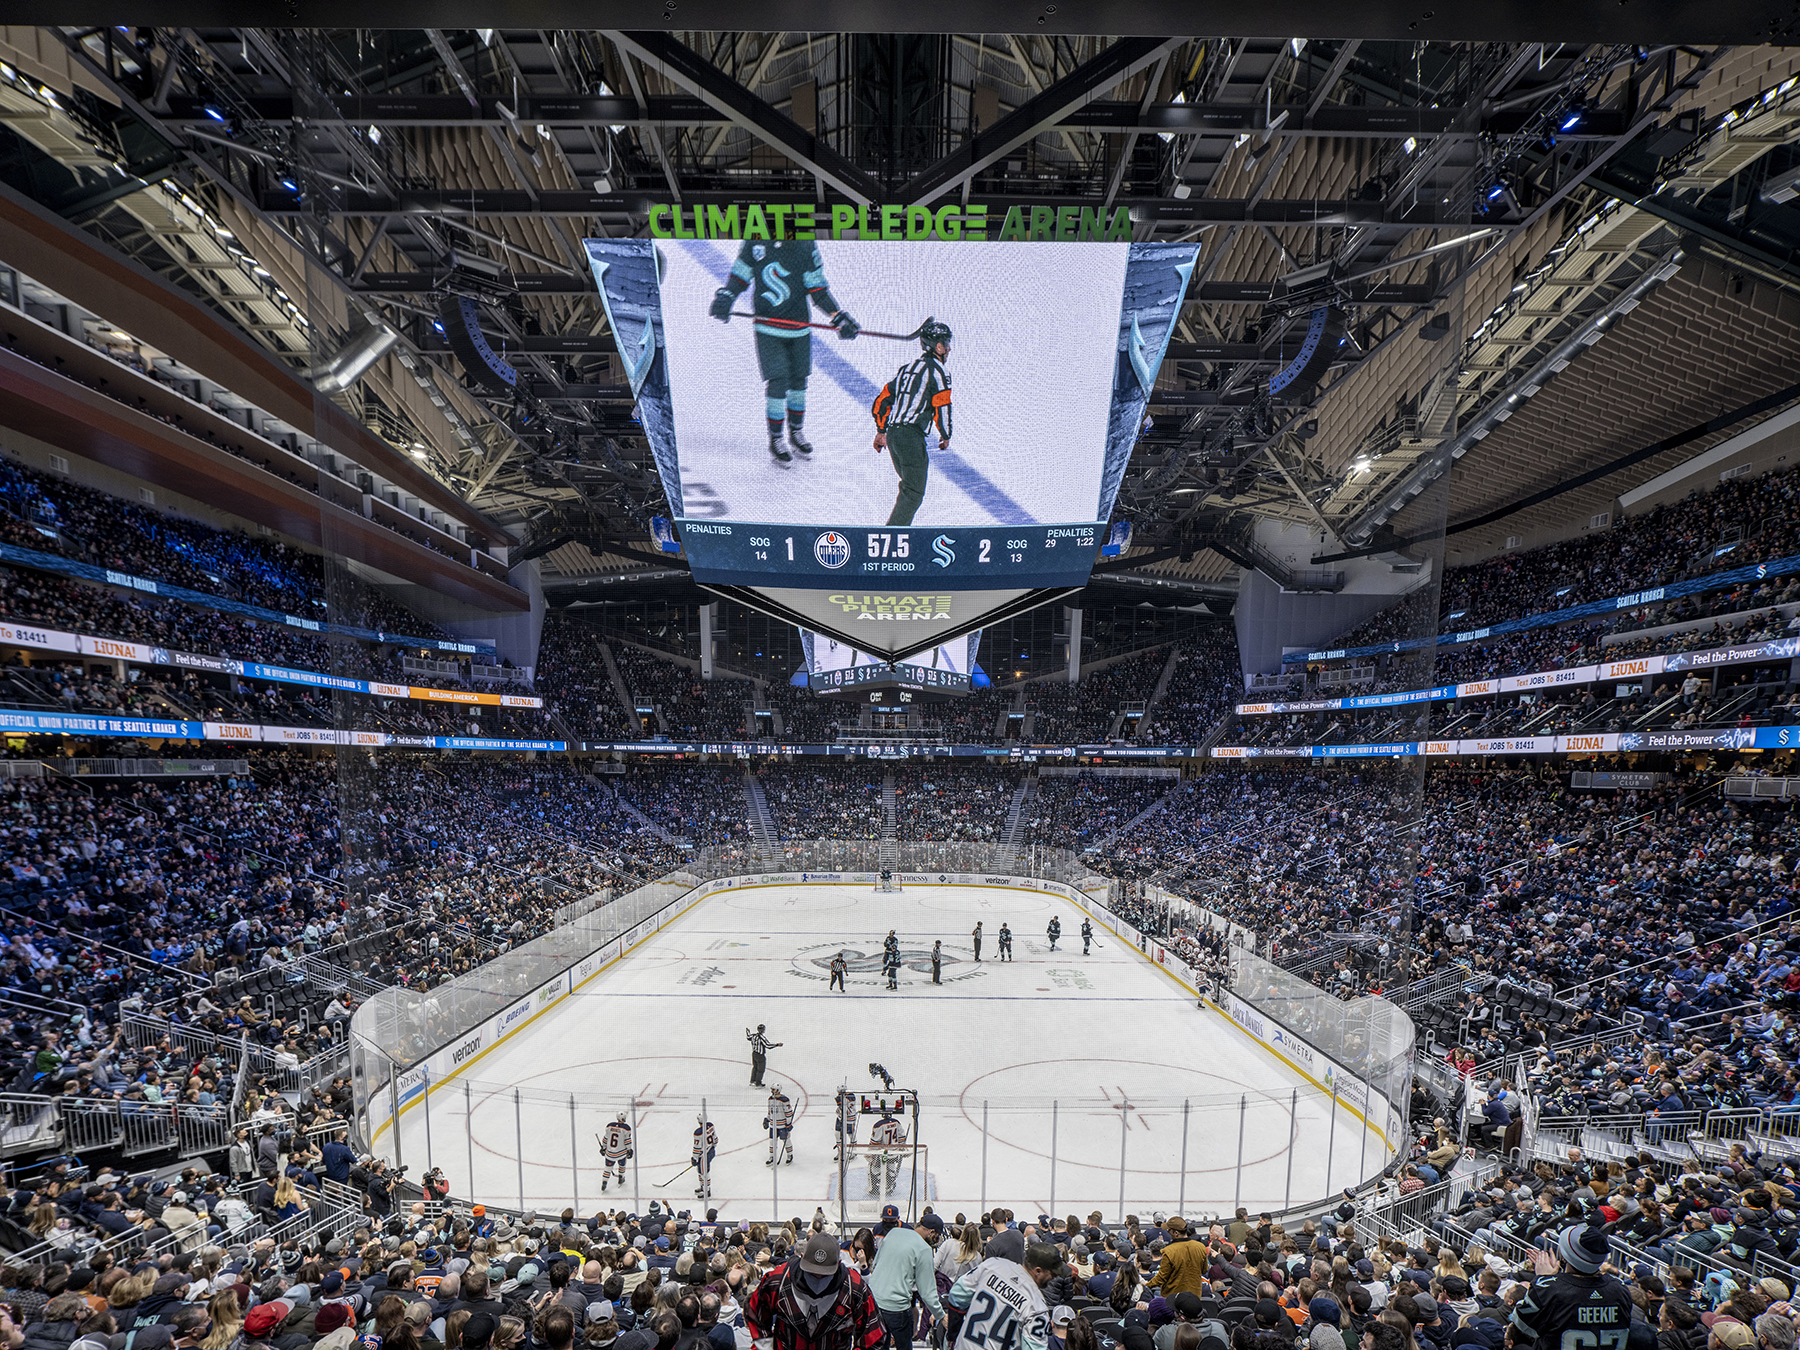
(1476, 199)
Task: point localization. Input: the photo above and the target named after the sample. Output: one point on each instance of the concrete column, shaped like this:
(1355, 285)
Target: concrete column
(1074, 626)
(706, 641)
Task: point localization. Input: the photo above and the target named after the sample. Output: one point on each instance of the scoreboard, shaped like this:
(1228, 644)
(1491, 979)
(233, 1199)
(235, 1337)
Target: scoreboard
(977, 558)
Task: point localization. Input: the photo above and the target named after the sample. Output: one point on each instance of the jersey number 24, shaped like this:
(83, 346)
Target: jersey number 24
(990, 1323)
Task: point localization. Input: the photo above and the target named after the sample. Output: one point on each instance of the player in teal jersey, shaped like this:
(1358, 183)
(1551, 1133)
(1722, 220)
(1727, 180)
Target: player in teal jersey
(782, 277)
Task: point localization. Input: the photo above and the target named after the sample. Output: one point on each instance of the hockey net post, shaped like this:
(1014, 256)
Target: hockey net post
(873, 1176)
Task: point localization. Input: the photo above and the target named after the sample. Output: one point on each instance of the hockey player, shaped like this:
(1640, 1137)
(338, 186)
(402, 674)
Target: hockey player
(846, 1126)
(1005, 943)
(706, 1148)
(838, 968)
(615, 1149)
(1054, 931)
(890, 963)
(884, 1161)
(917, 396)
(890, 943)
(1087, 935)
(783, 276)
(780, 1124)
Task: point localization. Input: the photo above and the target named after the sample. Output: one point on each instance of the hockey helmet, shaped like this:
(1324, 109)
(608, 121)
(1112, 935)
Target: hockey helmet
(931, 332)
(621, 1118)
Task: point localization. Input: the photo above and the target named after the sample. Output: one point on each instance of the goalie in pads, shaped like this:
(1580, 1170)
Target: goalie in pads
(779, 1122)
(888, 1135)
(615, 1149)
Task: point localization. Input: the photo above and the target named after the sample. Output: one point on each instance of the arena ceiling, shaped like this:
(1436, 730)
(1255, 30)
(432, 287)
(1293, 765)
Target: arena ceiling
(1478, 205)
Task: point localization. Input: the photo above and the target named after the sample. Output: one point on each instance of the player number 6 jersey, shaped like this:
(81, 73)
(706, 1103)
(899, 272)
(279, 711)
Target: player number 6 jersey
(617, 1141)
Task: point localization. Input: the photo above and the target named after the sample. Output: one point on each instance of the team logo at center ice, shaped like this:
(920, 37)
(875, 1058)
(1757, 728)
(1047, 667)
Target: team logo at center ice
(831, 549)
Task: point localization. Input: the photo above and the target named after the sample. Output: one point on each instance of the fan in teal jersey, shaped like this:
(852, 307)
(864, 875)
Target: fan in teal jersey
(781, 277)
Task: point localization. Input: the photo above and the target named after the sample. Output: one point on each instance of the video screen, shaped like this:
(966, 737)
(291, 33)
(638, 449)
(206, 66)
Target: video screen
(798, 348)
(828, 654)
(860, 384)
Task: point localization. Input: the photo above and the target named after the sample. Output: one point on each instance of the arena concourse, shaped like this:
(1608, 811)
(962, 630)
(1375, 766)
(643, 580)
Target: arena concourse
(824, 690)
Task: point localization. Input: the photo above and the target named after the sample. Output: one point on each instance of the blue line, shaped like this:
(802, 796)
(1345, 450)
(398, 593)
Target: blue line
(986, 494)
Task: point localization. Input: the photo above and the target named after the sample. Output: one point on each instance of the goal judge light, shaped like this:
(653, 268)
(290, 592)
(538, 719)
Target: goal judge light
(892, 443)
(884, 1106)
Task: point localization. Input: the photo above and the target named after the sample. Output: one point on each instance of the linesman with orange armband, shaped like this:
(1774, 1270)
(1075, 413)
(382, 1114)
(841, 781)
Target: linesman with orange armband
(917, 396)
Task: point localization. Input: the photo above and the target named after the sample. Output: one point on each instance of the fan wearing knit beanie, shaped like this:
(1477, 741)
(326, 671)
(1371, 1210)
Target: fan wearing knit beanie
(1571, 1293)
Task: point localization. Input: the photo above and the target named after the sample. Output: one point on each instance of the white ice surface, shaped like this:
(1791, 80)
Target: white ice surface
(665, 1027)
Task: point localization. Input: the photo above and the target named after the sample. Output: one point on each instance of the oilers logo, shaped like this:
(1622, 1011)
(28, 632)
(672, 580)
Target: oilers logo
(831, 549)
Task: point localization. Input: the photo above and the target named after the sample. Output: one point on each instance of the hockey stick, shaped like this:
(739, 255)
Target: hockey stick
(800, 323)
(677, 1177)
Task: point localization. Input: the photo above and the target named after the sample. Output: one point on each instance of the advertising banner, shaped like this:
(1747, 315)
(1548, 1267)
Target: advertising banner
(117, 649)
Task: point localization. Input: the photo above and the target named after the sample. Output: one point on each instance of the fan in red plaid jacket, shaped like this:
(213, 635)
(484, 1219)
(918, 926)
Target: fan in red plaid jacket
(814, 1302)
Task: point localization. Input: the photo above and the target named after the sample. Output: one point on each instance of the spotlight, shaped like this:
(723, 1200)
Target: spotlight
(1572, 120)
(1496, 192)
(215, 112)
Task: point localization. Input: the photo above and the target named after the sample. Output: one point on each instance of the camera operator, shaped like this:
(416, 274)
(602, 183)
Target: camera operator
(382, 1180)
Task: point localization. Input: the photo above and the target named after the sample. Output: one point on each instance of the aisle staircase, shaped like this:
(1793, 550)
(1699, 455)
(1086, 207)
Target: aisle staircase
(626, 702)
(1012, 837)
(762, 821)
(887, 855)
(1143, 732)
(1175, 790)
(630, 808)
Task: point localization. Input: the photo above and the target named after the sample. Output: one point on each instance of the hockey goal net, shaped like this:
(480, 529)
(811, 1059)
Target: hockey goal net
(873, 1176)
(888, 884)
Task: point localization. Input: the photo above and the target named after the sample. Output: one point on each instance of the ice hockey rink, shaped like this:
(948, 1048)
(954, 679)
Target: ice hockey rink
(1091, 1074)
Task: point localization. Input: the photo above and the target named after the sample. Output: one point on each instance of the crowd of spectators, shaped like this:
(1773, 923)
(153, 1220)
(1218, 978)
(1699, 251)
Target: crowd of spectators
(941, 802)
(1668, 909)
(1079, 810)
(834, 801)
(1740, 523)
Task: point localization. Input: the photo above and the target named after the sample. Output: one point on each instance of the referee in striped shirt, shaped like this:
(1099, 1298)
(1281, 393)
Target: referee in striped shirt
(760, 1045)
(918, 395)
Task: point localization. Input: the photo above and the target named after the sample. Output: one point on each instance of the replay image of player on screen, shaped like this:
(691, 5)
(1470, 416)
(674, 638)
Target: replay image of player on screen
(827, 653)
(938, 384)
